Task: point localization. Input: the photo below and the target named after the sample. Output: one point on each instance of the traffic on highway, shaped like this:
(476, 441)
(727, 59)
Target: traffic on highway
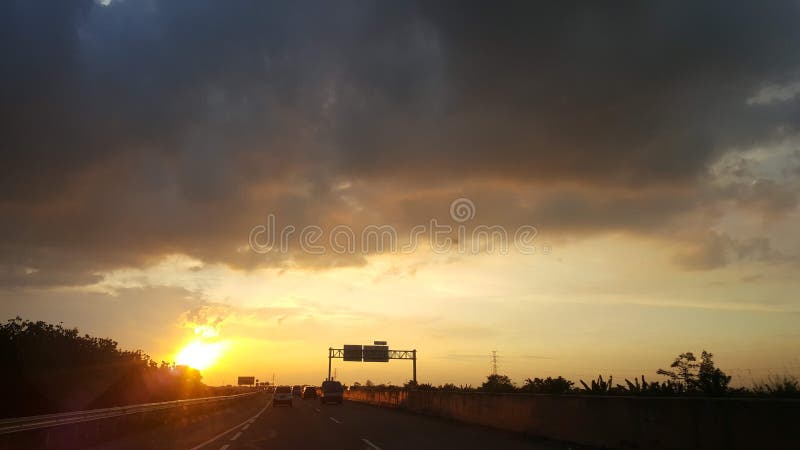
(280, 417)
(307, 421)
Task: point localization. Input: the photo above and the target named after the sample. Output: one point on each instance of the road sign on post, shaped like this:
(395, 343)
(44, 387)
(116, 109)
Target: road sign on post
(247, 381)
(376, 353)
(352, 353)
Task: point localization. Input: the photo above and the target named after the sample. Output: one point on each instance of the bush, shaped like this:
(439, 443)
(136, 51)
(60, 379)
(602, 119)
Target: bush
(598, 386)
(778, 386)
(498, 383)
(548, 385)
(649, 388)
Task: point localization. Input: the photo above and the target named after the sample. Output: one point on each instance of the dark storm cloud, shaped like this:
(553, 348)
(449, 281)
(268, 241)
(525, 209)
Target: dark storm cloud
(634, 93)
(148, 127)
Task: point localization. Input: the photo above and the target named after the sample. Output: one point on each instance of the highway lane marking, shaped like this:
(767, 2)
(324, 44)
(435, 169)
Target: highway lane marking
(246, 426)
(236, 436)
(197, 447)
(334, 419)
(370, 444)
(316, 409)
(224, 447)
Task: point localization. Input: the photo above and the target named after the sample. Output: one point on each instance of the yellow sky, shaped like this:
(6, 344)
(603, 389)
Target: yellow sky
(665, 187)
(611, 304)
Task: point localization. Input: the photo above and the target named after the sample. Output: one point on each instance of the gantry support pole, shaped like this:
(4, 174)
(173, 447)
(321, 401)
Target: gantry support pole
(414, 359)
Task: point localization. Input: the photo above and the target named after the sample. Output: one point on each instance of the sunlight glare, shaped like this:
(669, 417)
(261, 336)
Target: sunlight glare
(200, 355)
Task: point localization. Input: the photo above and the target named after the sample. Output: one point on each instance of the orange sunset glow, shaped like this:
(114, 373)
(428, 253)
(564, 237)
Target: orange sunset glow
(238, 187)
(435, 224)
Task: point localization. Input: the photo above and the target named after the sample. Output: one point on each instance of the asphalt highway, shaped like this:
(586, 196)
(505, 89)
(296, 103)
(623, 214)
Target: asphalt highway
(311, 425)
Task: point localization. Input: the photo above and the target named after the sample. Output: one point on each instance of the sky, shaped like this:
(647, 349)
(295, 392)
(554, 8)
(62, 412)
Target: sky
(585, 189)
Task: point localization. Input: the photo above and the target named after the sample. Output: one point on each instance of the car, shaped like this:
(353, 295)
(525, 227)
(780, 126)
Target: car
(297, 390)
(282, 396)
(331, 392)
(310, 392)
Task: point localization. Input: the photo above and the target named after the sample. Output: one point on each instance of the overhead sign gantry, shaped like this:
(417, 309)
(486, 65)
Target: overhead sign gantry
(378, 352)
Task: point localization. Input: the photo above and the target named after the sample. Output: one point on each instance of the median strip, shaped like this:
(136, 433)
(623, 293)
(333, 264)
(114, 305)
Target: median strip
(230, 429)
(17, 424)
(370, 444)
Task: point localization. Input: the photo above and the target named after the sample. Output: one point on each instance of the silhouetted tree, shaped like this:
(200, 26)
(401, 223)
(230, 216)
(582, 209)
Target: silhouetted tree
(48, 368)
(498, 383)
(684, 371)
(711, 380)
(693, 376)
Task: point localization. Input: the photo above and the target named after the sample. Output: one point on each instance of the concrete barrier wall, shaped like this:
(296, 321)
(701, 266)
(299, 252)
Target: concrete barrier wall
(387, 399)
(612, 421)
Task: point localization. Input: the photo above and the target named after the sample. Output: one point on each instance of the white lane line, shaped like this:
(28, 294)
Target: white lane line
(246, 426)
(224, 447)
(236, 436)
(370, 444)
(316, 409)
(334, 419)
(197, 447)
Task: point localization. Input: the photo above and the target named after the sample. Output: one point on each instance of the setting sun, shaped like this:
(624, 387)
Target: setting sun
(200, 355)
(557, 224)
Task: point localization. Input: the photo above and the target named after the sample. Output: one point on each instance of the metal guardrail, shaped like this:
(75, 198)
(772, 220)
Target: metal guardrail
(18, 424)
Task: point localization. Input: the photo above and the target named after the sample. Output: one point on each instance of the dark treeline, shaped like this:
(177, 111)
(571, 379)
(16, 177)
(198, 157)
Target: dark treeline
(47, 368)
(687, 376)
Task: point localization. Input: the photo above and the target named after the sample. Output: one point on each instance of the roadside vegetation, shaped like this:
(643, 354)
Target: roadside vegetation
(46, 368)
(687, 375)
